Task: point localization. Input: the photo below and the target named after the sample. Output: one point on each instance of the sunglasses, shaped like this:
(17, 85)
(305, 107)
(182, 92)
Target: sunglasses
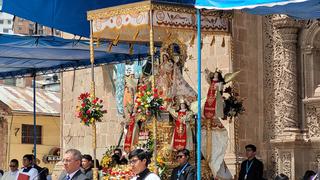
(179, 156)
(12, 166)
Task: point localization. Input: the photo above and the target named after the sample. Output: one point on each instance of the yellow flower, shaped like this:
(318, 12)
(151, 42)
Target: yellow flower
(146, 106)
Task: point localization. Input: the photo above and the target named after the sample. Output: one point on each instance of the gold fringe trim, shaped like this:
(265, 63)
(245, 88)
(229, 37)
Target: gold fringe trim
(223, 44)
(213, 40)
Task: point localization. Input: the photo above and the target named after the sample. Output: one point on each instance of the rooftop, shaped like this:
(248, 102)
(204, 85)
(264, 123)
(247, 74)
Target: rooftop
(20, 100)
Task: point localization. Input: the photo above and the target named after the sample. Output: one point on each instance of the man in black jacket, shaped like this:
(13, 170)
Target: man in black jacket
(42, 173)
(185, 171)
(252, 168)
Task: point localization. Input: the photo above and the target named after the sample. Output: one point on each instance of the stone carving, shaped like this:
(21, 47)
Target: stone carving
(280, 86)
(316, 162)
(273, 166)
(269, 89)
(313, 121)
(285, 70)
(285, 164)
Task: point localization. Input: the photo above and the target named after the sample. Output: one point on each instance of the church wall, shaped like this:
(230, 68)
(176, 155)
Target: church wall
(248, 57)
(76, 135)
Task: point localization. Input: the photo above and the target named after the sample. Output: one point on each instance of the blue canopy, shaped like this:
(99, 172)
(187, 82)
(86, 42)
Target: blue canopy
(26, 55)
(303, 10)
(299, 9)
(240, 4)
(65, 15)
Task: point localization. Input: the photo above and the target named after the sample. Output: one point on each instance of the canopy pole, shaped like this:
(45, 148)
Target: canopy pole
(93, 94)
(153, 86)
(199, 96)
(34, 119)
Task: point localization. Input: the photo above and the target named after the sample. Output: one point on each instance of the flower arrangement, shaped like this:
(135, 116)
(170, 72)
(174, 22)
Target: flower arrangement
(111, 170)
(90, 109)
(233, 104)
(148, 102)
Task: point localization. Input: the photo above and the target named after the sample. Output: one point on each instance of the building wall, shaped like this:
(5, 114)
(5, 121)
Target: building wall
(6, 22)
(50, 137)
(3, 142)
(76, 135)
(26, 27)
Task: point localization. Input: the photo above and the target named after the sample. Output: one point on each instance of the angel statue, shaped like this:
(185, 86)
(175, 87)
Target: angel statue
(215, 135)
(182, 135)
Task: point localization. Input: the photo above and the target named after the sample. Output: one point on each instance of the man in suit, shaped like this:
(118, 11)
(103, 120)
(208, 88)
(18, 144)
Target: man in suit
(72, 163)
(185, 171)
(252, 168)
(42, 175)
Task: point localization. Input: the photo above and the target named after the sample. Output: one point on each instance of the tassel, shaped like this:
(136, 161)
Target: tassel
(115, 42)
(201, 44)
(110, 47)
(136, 35)
(98, 43)
(192, 40)
(213, 40)
(169, 35)
(130, 48)
(223, 44)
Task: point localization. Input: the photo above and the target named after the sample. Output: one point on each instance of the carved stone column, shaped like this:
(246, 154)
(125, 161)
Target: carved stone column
(285, 69)
(288, 140)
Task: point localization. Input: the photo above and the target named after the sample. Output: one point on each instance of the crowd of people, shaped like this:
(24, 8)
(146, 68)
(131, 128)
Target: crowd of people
(29, 170)
(79, 167)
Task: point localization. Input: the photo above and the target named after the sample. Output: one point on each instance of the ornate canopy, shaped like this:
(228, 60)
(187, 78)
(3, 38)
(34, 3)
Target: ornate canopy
(132, 22)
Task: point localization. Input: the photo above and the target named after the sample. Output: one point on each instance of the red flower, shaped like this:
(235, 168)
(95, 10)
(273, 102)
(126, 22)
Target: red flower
(83, 105)
(88, 112)
(155, 90)
(144, 87)
(162, 108)
(101, 101)
(95, 100)
(156, 95)
(161, 93)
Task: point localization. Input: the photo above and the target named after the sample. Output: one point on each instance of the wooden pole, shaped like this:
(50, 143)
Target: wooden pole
(154, 120)
(93, 94)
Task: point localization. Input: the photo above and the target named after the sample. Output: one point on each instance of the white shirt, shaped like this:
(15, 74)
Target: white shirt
(151, 176)
(33, 173)
(72, 174)
(10, 175)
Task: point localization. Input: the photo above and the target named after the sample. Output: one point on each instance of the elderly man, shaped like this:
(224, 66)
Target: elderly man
(72, 163)
(12, 174)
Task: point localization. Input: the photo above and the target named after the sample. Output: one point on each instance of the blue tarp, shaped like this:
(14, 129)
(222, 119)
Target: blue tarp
(304, 10)
(298, 9)
(65, 15)
(239, 4)
(25, 55)
(70, 15)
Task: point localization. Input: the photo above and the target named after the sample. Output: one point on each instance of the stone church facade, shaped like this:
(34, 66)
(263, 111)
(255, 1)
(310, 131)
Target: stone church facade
(279, 59)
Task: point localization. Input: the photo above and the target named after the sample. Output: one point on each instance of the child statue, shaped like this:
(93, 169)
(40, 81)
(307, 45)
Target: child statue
(182, 135)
